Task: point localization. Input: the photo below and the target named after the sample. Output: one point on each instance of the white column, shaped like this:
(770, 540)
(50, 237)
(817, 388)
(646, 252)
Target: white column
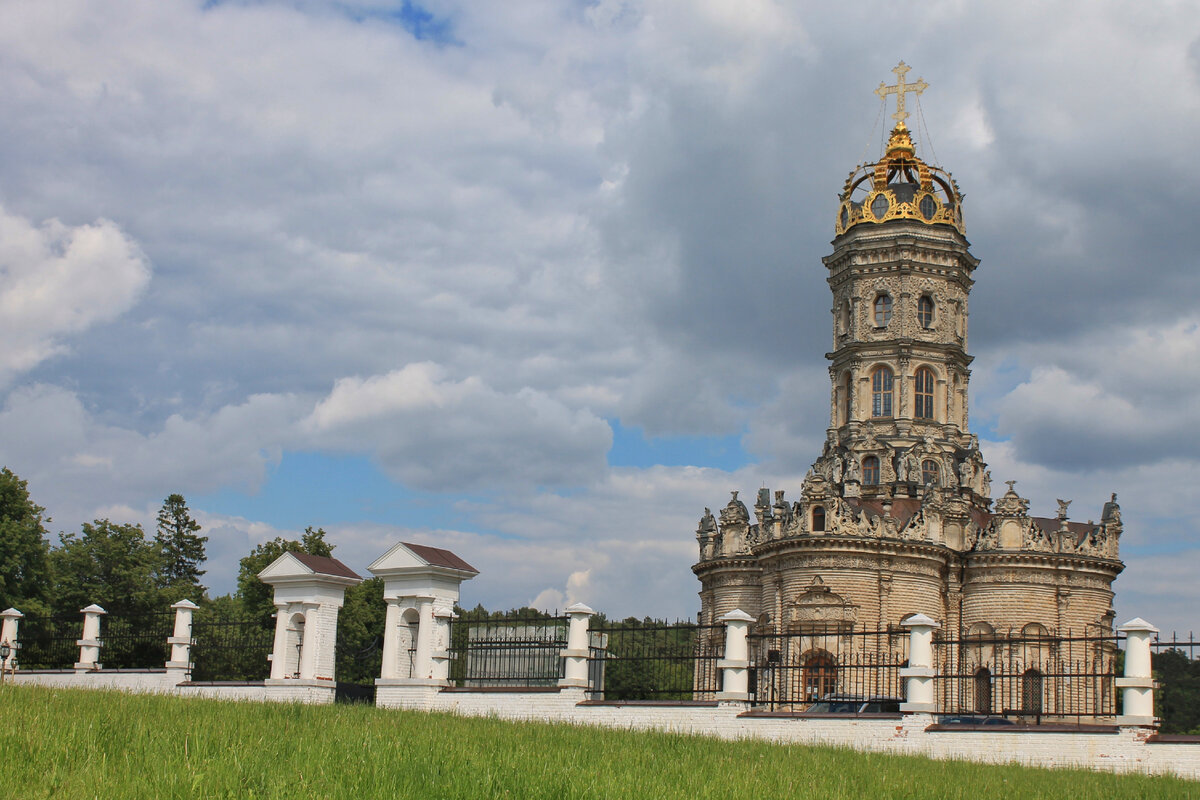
(735, 666)
(576, 654)
(919, 672)
(8, 635)
(1137, 687)
(181, 638)
(423, 662)
(391, 631)
(89, 645)
(278, 649)
(440, 656)
(308, 647)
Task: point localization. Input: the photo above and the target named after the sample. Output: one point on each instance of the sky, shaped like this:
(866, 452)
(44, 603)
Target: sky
(538, 281)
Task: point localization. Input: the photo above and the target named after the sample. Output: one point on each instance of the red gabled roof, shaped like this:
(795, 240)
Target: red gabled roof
(326, 566)
(438, 557)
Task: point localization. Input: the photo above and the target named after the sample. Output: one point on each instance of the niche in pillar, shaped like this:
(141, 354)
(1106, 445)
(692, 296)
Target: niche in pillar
(293, 648)
(406, 642)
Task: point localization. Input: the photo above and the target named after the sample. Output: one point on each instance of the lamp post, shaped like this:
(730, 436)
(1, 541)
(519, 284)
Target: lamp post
(5, 652)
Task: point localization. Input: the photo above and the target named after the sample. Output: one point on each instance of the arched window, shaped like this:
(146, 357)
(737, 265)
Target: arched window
(883, 310)
(881, 392)
(1031, 691)
(925, 311)
(983, 691)
(923, 396)
(818, 518)
(870, 471)
(929, 472)
(820, 676)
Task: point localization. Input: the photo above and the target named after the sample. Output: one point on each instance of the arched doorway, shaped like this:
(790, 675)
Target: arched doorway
(982, 688)
(819, 675)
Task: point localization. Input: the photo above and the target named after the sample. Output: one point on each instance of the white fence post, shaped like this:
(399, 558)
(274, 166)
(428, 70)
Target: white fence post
(1137, 687)
(735, 666)
(8, 635)
(181, 641)
(89, 645)
(440, 657)
(919, 672)
(576, 655)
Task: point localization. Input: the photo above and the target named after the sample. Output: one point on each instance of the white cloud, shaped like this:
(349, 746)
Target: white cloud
(57, 280)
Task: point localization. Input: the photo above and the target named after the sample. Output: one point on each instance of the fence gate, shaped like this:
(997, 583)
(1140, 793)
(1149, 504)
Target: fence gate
(358, 664)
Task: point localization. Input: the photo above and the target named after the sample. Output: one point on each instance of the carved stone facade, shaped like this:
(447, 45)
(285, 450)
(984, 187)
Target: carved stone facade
(896, 516)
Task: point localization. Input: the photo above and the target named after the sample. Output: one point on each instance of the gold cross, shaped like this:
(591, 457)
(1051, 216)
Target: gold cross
(900, 90)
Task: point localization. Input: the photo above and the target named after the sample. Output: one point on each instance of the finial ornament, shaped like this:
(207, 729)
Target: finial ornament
(900, 89)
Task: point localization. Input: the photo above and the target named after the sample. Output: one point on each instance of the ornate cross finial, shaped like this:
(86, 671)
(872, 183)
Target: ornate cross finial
(900, 89)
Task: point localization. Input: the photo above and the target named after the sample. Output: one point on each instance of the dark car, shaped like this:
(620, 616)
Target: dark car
(855, 704)
(958, 719)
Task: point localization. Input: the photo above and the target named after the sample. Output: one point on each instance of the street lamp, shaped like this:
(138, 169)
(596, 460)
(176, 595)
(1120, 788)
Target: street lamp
(5, 652)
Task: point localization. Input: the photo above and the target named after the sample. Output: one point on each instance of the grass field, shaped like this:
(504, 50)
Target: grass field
(58, 743)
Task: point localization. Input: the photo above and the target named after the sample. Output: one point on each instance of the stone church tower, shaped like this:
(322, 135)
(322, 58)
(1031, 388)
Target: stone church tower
(896, 516)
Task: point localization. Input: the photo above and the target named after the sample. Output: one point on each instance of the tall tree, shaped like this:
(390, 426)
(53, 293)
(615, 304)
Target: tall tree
(182, 548)
(255, 595)
(24, 549)
(109, 564)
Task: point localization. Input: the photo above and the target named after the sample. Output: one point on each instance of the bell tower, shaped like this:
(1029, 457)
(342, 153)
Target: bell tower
(900, 274)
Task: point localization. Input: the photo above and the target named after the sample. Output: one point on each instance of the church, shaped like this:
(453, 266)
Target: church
(896, 516)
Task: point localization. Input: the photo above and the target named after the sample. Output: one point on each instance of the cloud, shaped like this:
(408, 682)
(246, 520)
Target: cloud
(57, 280)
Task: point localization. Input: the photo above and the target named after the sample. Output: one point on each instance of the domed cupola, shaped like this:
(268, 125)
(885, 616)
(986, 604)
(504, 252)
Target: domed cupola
(900, 186)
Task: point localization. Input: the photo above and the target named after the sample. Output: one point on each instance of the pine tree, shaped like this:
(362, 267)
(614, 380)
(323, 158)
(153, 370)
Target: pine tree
(182, 547)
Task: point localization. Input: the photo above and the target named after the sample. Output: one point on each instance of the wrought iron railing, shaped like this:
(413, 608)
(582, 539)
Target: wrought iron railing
(818, 662)
(231, 648)
(1176, 666)
(514, 651)
(1032, 678)
(136, 640)
(655, 660)
(49, 642)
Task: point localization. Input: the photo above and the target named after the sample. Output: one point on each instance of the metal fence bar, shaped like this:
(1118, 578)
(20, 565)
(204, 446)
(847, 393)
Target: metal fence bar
(136, 640)
(827, 663)
(655, 661)
(49, 642)
(1176, 666)
(229, 648)
(519, 651)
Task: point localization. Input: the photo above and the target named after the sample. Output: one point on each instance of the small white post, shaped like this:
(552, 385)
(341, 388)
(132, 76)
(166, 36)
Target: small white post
(575, 670)
(181, 641)
(919, 672)
(1137, 687)
(735, 666)
(89, 645)
(440, 657)
(8, 635)
(423, 661)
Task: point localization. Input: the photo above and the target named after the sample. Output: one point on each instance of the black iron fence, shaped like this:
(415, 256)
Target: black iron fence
(515, 651)
(359, 662)
(49, 642)
(136, 640)
(1176, 665)
(829, 663)
(231, 648)
(655, 660)
(1029, 677)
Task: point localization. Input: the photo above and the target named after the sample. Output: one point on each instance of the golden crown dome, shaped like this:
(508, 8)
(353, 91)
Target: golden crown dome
(900, 186)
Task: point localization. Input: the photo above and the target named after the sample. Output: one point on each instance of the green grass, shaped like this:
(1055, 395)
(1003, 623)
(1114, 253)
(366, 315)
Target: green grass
(79, 744)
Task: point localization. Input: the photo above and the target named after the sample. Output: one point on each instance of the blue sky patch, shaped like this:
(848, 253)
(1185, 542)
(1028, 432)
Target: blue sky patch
(632, 448)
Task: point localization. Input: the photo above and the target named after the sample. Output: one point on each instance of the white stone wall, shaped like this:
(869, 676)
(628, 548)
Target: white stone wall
(151, 680)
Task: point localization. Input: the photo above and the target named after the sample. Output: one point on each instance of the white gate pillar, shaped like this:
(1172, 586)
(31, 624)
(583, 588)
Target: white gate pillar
(440, 656)
(8, 635)
(181, 640)
(920, 672)
(423, 658)
(1137, 686)
(390, 668)
(308, 644)
(575, 672)
(278, 661)
(89, 645)
(735, 666)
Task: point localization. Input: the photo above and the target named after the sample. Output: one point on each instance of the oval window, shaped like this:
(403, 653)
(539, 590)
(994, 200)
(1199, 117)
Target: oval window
(928, 207)
(879, 206)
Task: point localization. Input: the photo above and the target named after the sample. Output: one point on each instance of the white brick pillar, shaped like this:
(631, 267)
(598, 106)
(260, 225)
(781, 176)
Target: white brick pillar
(1137, 687)
(919, 673)
(181, 640)
(89, 645)
(440, 656)
(308, 645)
(278, 660)
(576, 655)
(735, 666)
(390, 668)
(10, 618)
(423, 658)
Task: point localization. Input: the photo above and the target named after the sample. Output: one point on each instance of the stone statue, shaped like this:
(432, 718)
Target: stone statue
(836, 471)
(966, 473)
(986, 487)
(708, 522)
(852, 473)
(1062, 508)
(902, 470)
